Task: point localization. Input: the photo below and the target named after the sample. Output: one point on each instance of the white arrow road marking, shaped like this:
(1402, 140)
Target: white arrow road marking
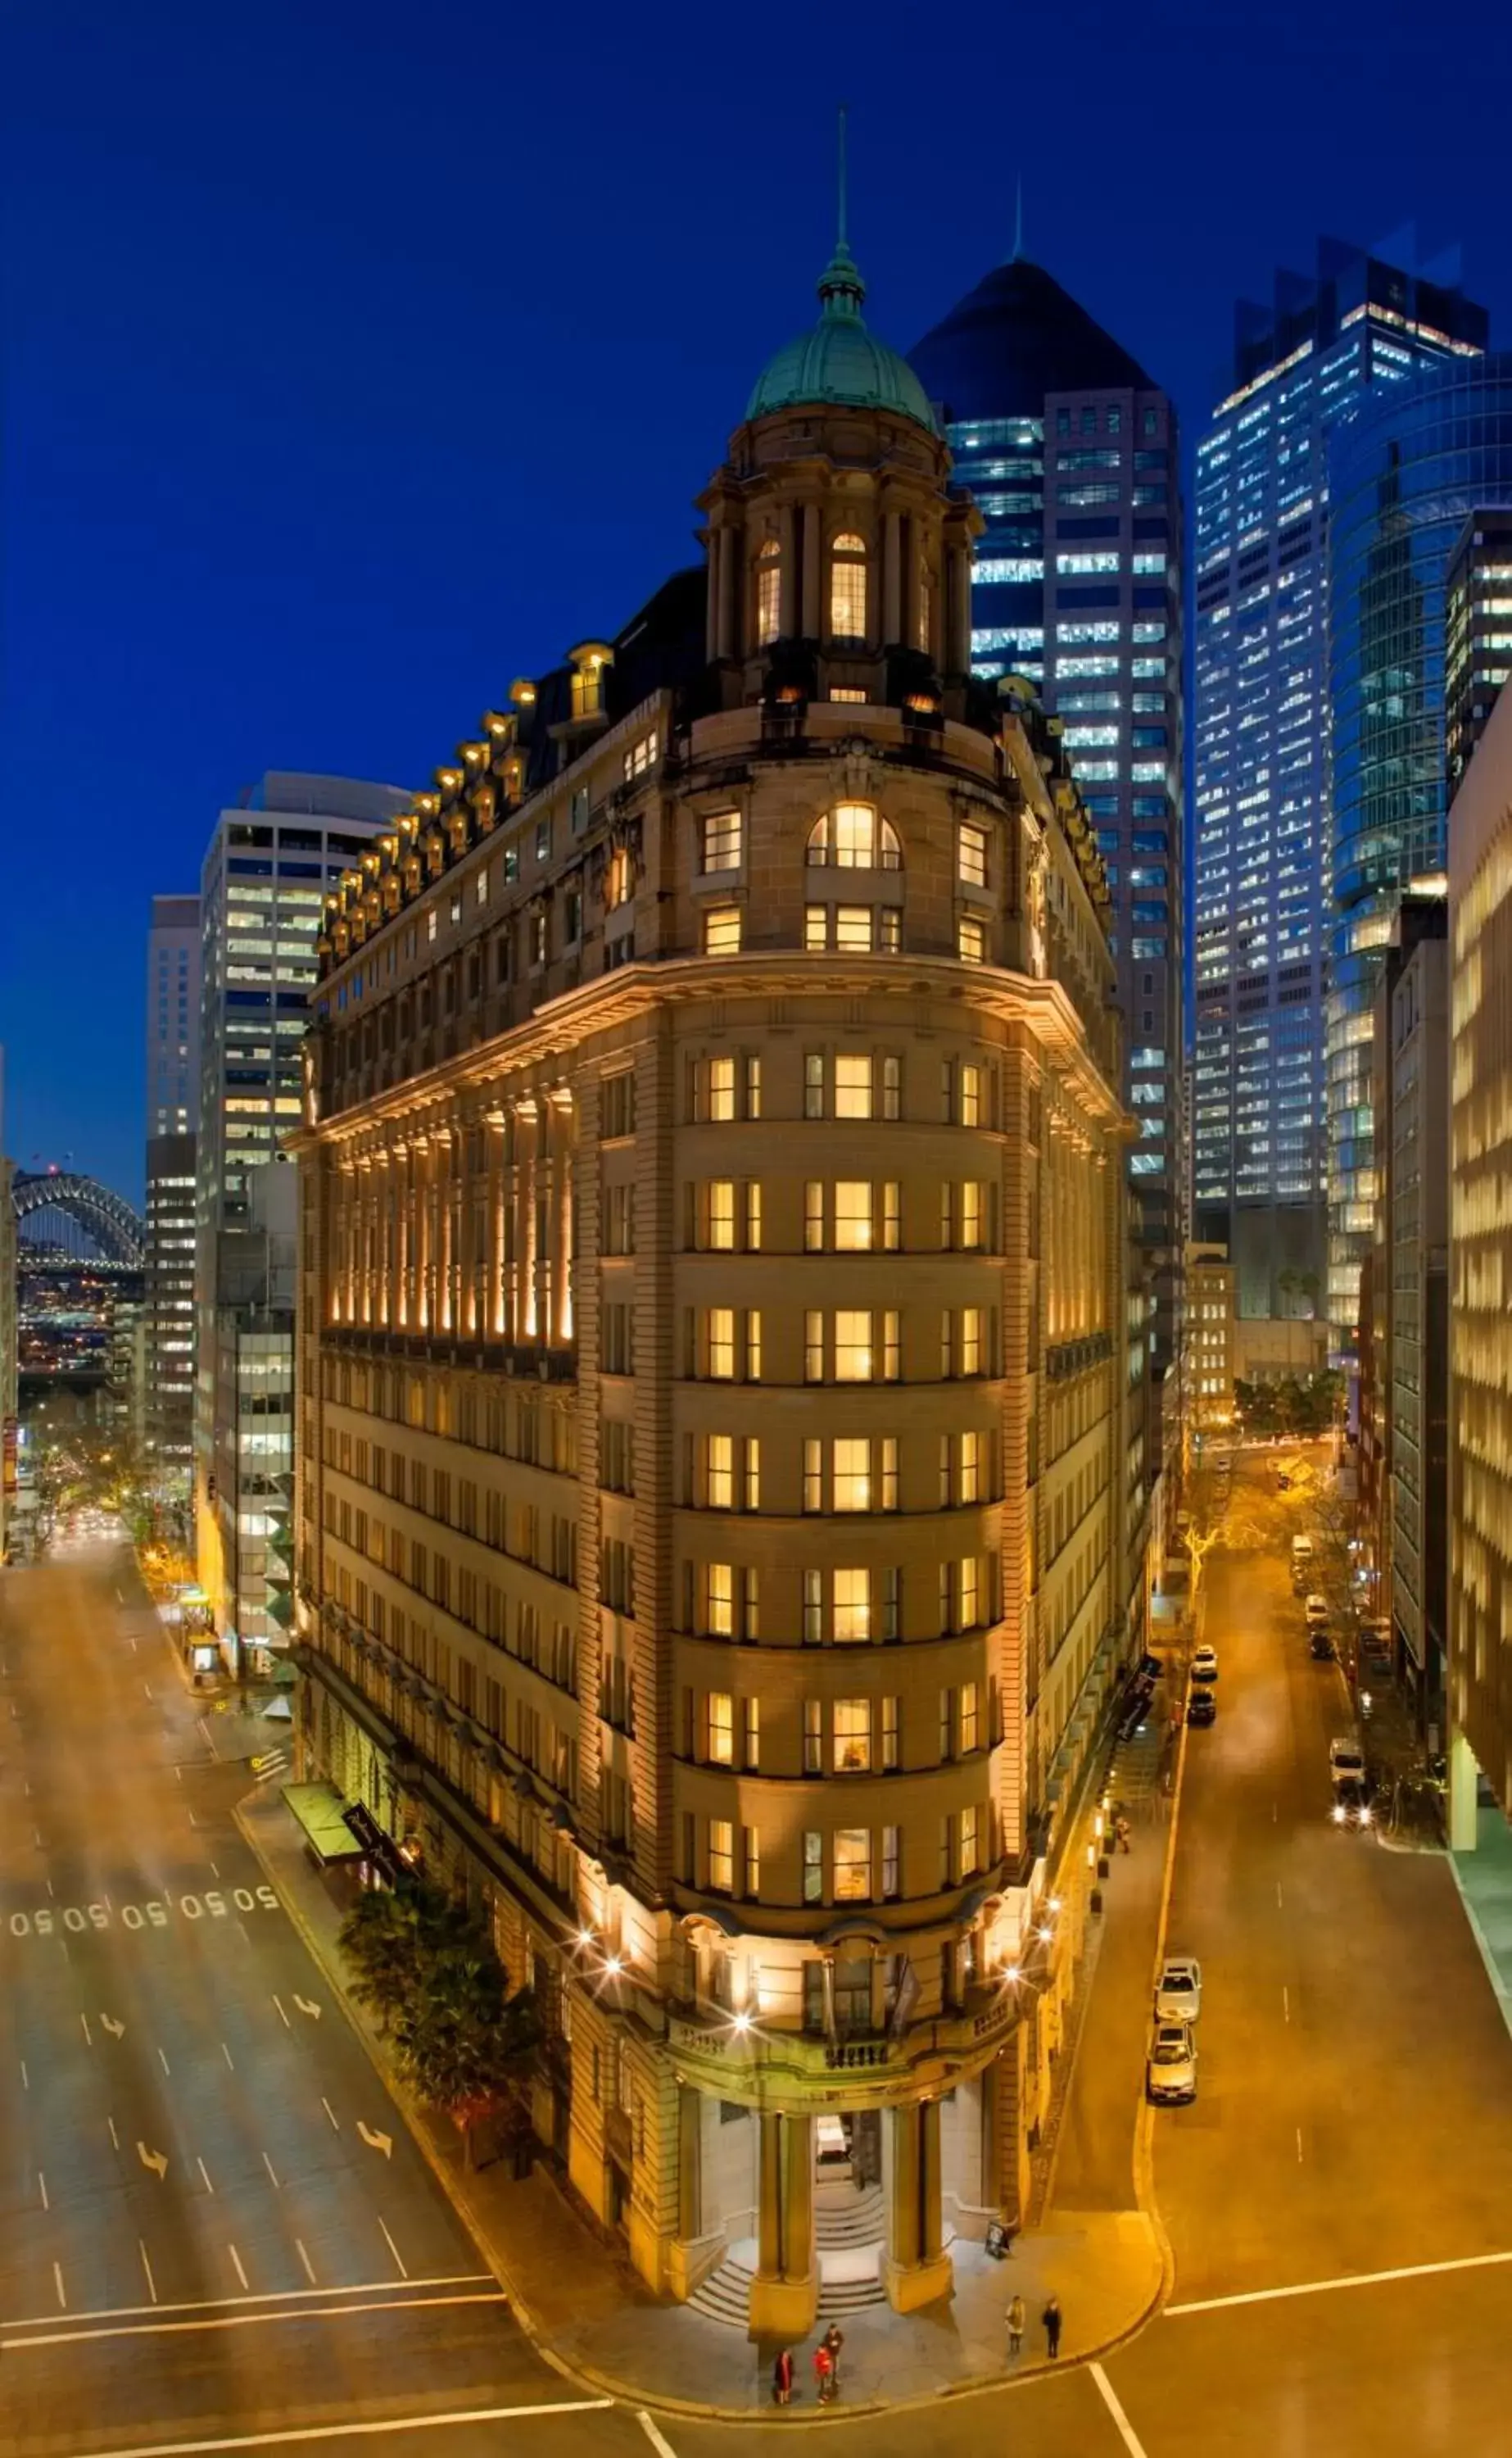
(116, 2031)
(384, 2142)
(306, 2007)
(153, 2159)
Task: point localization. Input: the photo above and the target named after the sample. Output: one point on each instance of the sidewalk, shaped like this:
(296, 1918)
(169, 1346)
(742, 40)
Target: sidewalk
(576, 2295)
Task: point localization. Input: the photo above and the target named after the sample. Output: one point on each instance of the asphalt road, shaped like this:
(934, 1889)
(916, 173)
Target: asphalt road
(197, 2240)
(1355, 2120)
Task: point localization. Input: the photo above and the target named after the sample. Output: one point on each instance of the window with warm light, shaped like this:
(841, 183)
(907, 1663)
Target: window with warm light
(852, 1741)
(716, 1214)
(718, 1089)
(721, 1728)
(769, 593)
(721, 930)
(853, 1086)
(719, 1471)
(719, 1588)
(853, 1865)
(721, 841)
(971, 940)
(971, 856)
(619, 878)
(854, 836)
(721, 1857)
(719, 1344)
(850, 1606)
(848, 587)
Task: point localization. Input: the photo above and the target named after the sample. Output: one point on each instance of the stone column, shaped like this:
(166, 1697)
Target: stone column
(892, 580)
(915, 2269)
(785, 2291)
(788, 621)
(810, 619)
(958, 611)
(689, 2258)
(1464, 1825)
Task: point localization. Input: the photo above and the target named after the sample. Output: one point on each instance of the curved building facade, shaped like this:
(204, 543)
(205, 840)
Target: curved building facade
(712, 1476)
(1406, 469)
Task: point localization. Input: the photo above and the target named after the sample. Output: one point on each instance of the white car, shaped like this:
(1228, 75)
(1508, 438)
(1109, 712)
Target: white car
(1346, 1762)
(1171, 2068)
(1178, 1991)
(1205, 1664)
(1314, 1611)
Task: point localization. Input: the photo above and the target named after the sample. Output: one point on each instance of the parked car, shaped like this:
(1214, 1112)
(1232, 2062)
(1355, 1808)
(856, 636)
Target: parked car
(1320, 1646)
(1314, 1611)
(1346, 1762)
(1178, 1991)
(1205, 1664)
(1352, 1804)
(1135, 1715)
(1202, 1707)
(1375, 1642)
(1171, 2068)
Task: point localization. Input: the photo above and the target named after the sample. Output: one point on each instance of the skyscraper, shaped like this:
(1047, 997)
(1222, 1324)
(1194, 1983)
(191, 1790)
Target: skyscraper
(1477, 631)
(1407, 466)
(172, 1016)
(1071, 454)
(268, 867)
(1261, 894)
(172, 1112)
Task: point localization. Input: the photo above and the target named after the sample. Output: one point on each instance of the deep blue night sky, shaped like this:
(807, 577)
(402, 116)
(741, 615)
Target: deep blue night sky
(359, 359)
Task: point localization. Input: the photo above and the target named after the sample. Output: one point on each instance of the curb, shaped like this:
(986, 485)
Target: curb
(632, 2395)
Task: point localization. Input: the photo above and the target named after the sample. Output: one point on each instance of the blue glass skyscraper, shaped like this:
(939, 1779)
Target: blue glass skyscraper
(1406, 468)
(1262, 723)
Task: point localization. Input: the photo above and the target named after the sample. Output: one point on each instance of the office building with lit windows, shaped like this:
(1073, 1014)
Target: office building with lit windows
(268, 867)
(1072, 457)
(1260, 785)
(1407, 466)
(172, 1017)
(713, 1394)
(172, 1112)
(1477, 631)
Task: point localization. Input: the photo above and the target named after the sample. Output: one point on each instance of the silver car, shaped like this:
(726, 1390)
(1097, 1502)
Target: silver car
(1178, 1991)
(1170, 2069)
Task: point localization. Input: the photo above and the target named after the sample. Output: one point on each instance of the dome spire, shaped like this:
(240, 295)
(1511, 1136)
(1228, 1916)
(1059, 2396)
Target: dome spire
(842, 290)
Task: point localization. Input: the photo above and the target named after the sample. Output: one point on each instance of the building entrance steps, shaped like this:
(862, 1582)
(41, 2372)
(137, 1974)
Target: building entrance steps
(574, 2293)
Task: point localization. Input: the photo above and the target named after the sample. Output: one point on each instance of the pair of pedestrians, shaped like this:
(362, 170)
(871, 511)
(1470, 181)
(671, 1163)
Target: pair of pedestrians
(1051, 2318)
(826, 2368)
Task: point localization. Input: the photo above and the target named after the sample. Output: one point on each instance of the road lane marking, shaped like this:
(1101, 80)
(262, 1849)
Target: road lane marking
(57, 2282)
(236, 2264)
(1286, 2002)
(272, 2171)
(1346, 2279)
(330, 2112)
(115, 2139)
(26, 2079)
(1299, 2146)
(655, 2435)
(226, 2054)
(282, 2017)
(164, 2061)
(398, 2258)
(387, 2424)
(209, 2187)
(152, 2284)
(1278, 1904)
(1121, 2424)
(267, 2295)
(309, 2266)
(88, 2035)
(43, 2183)
(147, 1688)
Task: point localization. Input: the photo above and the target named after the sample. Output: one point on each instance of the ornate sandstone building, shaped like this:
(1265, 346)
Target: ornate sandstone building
(715, 1437)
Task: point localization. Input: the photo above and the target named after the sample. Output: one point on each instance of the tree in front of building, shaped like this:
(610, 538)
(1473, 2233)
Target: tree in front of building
(428, 1971)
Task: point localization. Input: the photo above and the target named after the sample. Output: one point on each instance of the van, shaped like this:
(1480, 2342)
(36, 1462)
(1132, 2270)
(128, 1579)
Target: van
(1301, 1552)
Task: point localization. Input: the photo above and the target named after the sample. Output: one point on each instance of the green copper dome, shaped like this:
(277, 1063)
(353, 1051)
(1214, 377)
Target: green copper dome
(840, 361)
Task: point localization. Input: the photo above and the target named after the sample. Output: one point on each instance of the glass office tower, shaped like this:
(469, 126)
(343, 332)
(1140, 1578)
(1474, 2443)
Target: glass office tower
(1477, 631)
(1407, 466)
(1071, 454)
(1260, 782)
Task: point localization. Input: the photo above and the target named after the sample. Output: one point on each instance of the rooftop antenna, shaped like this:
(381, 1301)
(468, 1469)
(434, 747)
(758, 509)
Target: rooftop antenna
(1018, 221)
(842, 153)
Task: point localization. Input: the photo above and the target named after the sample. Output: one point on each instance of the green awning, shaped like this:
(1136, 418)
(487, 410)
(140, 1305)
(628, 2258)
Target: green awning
(318, 1808)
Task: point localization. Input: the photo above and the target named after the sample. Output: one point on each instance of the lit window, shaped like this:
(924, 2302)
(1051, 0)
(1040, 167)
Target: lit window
(769, 593)
(812, 1867)
(853, 1865)
(721, 841)
(719, 1471)
(853, 930)
(967, 1853)
(848, 588)
(721, 1857)
(716, 1208)
(845, 692)
(719, 1091)
(855, 1224)
(718, 1600)
(853, 1087)
(719, 1344)
(971, 940)
(721, 930)
(852, 1737)
(851, 1607)
(968, 1102)
(619, 880)
(854, 836)
(816, 928)
(721, 1728)
(851, 1473)
(971, 856)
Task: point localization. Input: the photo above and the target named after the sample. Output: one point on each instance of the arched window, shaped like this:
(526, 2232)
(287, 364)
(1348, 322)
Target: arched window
(848, 587)
(854, 836)
(769, 593)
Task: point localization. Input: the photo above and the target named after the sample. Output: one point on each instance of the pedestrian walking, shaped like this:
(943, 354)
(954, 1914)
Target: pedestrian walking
(824, 2373)
(782, 2378)
(1121, 1830)
(835, 2340)
(1016, 2321)
(1051, 2318)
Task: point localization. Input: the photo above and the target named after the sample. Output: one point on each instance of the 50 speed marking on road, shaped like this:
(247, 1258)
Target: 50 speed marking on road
(74, 1920)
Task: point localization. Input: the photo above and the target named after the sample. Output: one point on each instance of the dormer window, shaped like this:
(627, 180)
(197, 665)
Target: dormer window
(848, 587)
(769, 593)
